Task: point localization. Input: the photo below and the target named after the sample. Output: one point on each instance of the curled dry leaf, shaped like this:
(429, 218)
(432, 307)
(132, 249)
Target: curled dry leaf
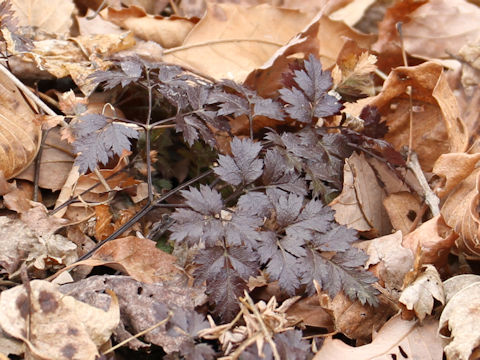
(141, 305)
(437, 127)
(138, 257)
(360, 205)
(439, 28)
(45, 15)
(168, 32)
(353, 319)
(453, 285)
(390, 261)
(236, 39)
(459, 212)
(434, 239)
(323, 37)
(453, 168)
(21, 134)
(420, 294)
(59, 326)
(398, 339)
(459, 322)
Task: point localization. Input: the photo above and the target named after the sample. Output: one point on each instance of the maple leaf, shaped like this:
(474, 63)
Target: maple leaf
(243, 167)
(310, 99)
(97, 139)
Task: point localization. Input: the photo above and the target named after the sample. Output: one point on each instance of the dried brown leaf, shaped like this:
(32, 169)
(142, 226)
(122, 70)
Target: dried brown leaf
(396, 338)
(60, 327)
(231, 40)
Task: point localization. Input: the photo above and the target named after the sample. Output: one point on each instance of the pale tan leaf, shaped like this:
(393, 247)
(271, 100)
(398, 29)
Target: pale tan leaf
(419, 295)
(402, 209)
(52, 16)
(55, 164)
(395, 339)
(60, 327)
(231, 40)
(441, 27)
(459, 323)
(455, 284)
(168, 32)
(362, 203)
(20, 135)
(392, 260)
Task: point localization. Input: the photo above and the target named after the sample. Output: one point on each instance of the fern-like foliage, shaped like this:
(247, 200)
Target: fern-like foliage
(269, 212)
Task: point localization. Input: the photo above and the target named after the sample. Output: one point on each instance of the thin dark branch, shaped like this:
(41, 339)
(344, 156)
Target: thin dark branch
(143, 212)
(75, 198)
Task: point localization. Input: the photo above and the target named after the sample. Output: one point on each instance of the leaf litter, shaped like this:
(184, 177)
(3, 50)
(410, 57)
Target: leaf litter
(239, 180)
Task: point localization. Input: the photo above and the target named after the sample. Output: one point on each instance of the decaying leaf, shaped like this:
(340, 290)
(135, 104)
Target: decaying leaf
(19, 244)
(397, 338)
(459, 322)
(142, 306)
(360, 205)
(168, 32)
(236, 39)
(391, 261)
(22, 135)
(420, 294)
(54, 325)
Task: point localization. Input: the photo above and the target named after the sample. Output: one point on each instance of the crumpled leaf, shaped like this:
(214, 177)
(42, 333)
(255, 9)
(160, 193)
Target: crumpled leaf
(265, 28)
(436, 128)
(18, 244)
(420, 294)
(168, 32)
(142, 306)
(459, 322)
(397, 338)
(391, 261)
(45, 15)
(60, 327)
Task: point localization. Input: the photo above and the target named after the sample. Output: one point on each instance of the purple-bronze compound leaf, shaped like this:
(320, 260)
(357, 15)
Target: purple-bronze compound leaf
(310, 99)
(244, 166)
(96, 140)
